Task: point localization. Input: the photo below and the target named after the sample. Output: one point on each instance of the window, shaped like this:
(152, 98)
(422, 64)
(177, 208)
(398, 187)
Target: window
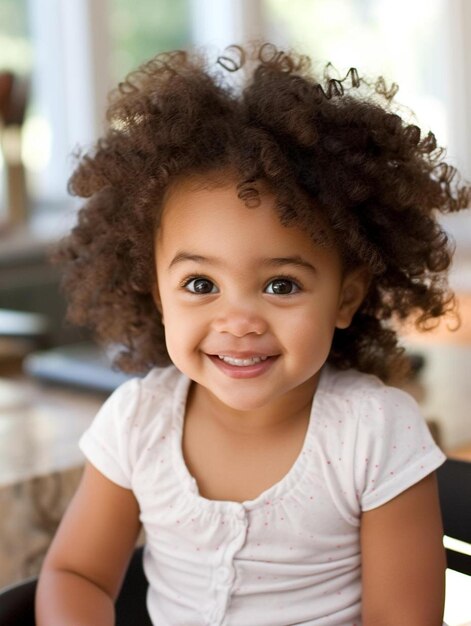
(74, 52)
(15, 44)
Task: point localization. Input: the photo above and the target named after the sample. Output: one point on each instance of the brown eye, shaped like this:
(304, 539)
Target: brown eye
(282, 287)
(201, 286)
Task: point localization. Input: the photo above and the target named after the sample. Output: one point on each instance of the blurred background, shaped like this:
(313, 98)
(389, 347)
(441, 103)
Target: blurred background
(59, 59)
(72, 52)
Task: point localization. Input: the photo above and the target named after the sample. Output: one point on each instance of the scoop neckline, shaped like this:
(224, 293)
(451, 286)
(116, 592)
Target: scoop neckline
(276, 491)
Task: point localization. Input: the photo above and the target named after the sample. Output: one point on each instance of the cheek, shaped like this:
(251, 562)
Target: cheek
(166, 298)
(310, 330)
(176, 345)
(181, 333)
(317, 317)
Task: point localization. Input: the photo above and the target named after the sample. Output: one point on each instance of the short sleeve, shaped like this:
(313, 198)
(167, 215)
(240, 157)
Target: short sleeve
(394, 448)
(106, 442)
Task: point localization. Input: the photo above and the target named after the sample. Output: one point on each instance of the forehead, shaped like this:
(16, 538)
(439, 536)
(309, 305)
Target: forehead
(201, 216)
(202, 191)
(192, 209)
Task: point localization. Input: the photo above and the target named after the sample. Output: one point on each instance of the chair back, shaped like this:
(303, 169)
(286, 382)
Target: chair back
(454, 486)
(17, 601)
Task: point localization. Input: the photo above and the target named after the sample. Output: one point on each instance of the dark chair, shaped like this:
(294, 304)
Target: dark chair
(454, 486)
(17, 601)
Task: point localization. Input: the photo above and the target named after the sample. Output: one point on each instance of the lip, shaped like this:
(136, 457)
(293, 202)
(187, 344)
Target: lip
(243, 371)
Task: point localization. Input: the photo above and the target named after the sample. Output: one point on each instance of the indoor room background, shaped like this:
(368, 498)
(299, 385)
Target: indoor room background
(58, 60)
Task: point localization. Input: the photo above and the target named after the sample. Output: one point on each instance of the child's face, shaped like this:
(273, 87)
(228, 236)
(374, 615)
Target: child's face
(249, 306)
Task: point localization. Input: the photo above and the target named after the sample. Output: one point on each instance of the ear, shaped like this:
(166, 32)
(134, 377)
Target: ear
(157, 301)
(354, 288)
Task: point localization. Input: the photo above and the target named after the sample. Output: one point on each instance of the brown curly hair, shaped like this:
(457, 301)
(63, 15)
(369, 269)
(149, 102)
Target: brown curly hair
(334, 145)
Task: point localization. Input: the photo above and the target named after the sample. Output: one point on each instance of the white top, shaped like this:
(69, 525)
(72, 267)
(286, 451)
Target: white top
(291, 555)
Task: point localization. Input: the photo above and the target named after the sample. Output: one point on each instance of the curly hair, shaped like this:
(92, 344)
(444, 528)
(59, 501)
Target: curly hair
(330, 144)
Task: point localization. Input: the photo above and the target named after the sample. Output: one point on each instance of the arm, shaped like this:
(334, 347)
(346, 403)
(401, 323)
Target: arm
(403, 560)
(85, 565)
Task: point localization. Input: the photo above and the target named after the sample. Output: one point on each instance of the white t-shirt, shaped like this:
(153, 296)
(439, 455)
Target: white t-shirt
(291, 555)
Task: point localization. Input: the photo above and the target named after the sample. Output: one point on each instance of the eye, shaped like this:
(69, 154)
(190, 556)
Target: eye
(200, 286)
(282, 287)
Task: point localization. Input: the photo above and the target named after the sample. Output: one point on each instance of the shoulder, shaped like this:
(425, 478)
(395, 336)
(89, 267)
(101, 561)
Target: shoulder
(368, 398)
(380, 415)
(140, 411)
(163, 383)
(384, 440)
(142, 405)
(351, 381)
(365, 416)
(138, 405)
(159, 387)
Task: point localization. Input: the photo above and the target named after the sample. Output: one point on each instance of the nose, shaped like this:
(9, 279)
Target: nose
(239, 321)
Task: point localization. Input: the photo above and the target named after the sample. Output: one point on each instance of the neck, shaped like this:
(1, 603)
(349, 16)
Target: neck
(275, 416)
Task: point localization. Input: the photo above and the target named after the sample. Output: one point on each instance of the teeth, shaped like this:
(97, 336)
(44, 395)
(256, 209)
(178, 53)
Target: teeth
(242, 362)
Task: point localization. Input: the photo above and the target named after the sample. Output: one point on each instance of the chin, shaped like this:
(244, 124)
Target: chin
(242, 401)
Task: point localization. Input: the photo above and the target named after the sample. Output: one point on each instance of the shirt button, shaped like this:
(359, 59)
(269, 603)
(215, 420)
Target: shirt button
(215, 616)
(223, 574)
(241, 513)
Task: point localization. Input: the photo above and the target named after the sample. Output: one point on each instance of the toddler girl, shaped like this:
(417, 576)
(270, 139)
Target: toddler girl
(251, 248)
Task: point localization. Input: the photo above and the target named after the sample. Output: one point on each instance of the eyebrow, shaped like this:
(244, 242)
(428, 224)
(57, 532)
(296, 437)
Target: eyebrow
(180, 257)
(295, 260)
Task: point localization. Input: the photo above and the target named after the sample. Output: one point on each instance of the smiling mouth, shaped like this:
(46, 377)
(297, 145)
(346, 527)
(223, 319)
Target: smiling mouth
(241, 362)
(243, 366)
